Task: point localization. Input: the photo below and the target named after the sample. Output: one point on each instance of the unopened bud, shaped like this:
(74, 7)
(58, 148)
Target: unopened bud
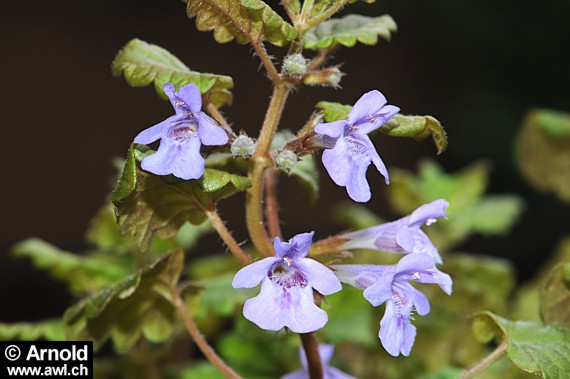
(328, 77)
(294, 65)
(243, 146)
(286, 160)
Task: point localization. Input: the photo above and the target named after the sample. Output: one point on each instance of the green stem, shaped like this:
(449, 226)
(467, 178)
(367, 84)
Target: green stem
(199, 339)
(227, 237)
(261, 161)
(326, 14)
(311, 347)
(268, 64)
(486, 361)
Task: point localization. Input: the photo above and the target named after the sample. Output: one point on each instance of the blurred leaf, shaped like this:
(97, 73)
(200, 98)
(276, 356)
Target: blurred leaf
(305, 171)
(333, 111)
(196, 371)
(142, 64)
(543, 151)
(156, 207)
(103, 231)
(83, 274)
(555, 296)
(320, 6)
(445, 373)
(50, 330)
(349, 30)
(245, 20)
(418, 127)
(533, 347)
(137, 305)
(351, 318)
(355, 216)
(469, 211)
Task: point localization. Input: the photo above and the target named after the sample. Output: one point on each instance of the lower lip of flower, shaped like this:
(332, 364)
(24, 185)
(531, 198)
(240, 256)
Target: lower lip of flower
(287, 276)
(183, 133)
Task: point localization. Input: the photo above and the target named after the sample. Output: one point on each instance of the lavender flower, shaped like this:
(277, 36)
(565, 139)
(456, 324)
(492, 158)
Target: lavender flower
(390, 285)
(403, 235)
(181, 136)
(325, 352)
(353, 151)
(286, 296)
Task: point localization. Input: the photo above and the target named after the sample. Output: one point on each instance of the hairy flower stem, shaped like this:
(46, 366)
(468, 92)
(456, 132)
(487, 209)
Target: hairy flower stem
(271, 204)
(199, 339)
(311, 347)
(227, 237)
(486, 361)
(261, 161)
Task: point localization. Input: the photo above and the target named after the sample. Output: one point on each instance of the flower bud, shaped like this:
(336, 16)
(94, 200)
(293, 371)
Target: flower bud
(328, 77)
(286, 160)
(243, 146)
(294, 65)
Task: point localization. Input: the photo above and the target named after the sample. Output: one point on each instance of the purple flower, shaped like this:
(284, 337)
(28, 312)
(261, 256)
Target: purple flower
(403, 235)
(325, 352)
(181, 136)
(286, 296)
(353, 151)
(390, 285)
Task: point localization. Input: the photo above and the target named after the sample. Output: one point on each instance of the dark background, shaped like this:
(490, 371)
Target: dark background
(477, 65)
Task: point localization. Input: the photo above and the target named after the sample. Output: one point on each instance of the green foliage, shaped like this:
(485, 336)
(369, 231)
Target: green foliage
(321, 6)
(543, 151)
(417, 127)
(445, 373)
(51, 330)
(149, 205)
(469, 211)
(349, 30)
(137, 305)
(196, 371)
(533, 347)
(245, 20)
(143, 63)
(83, 274)
(555, 296)
(305, 171)
(355, 216)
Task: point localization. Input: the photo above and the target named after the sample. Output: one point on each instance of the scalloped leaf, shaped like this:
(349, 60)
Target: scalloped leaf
(148, 205)
(245, 20)
(142, 63)
(320, 6)
(543, 151)
(539, 349)
(136, 306)
(555, 296)
(333, 111)
(50, 330)
(83, 274)
(349, 30)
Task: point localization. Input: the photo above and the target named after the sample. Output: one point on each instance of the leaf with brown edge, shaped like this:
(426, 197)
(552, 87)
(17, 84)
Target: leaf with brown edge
(555, 296)
(243, 20)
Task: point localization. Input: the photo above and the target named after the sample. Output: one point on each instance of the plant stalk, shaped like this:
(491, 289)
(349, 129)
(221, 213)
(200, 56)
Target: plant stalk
(486, 361)
(311, 347)
(227, 237)
(271, 205)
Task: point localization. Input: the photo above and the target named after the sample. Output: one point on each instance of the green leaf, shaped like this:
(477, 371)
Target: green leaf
(159, 206)
(418, 127)
(355, 216)
(349, 30)
(333, 111)
(83, 274)
(103, 231)
(143, 63)
(445, 373)
(245, 20)
(196, 371)
(540, 349)
(495, 214)
(543, 151)
(50, 330)
(555, 296)
(320, 6)
(136, 306)
(305, 171)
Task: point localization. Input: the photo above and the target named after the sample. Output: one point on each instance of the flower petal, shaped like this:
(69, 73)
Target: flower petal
(189, 164)
(379, 119)
(381, 291)
(433, 210)
(380, 166)
(420, 301)
(354, 274)
(367, 105)
(335, 373)
(337, 163)
(252, 274)
(155, 132)
(357, 186)
(405, 239)
(299, 374)
(423, 245)
(421, 268)
(210, 134)
(319, 276)
(302, 243)
(276, 307)
(397, 333)
(333, 129)
(161, 162)
(326, 351)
